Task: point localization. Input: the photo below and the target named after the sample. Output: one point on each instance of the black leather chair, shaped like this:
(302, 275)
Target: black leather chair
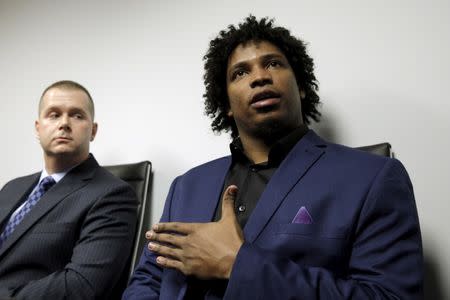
(138, 175)
(383, 149)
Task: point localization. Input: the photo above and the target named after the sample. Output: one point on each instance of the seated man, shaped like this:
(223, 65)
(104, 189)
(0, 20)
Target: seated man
(287, 215)
(65, 232)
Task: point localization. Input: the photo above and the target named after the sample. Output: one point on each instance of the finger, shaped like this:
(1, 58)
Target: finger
(175, 227)
(228, 199)
(166, 238)
(169, 263)
(165, 250)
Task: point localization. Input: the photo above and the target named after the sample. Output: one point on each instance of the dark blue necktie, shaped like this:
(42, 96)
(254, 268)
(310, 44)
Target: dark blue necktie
(44, 186)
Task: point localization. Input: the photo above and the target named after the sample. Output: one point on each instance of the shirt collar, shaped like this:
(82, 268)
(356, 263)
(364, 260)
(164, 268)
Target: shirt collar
(278, 151)
(56, 176)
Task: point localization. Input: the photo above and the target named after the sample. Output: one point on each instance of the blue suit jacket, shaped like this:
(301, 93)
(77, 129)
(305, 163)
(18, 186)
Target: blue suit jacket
(364, 241)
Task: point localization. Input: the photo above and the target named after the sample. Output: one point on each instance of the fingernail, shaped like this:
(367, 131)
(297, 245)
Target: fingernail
(232, 191)
(160, 260)
(155, 227)
(151, 246)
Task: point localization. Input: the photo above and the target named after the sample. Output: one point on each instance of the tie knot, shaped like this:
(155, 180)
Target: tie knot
(47, 183)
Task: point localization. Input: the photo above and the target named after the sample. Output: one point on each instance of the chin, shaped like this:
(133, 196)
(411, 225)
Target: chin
(59, 152)
(271, 130)
(63, 150)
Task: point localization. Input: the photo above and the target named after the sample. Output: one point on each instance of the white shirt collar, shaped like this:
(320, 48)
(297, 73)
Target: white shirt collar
(56, 176)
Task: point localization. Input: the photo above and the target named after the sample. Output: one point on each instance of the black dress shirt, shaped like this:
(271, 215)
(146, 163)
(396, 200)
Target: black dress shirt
(251, 180)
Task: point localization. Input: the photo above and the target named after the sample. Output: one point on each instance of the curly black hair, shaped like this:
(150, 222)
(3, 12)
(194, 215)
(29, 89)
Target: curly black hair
(216, 60)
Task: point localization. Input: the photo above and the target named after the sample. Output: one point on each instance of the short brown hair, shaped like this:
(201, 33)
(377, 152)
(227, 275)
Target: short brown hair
(70, 85)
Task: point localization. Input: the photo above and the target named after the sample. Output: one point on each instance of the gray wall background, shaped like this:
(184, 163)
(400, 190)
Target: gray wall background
(383, 67)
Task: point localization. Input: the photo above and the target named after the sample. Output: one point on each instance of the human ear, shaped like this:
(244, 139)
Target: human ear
(94, 131)
(36, 129)
(302, 94)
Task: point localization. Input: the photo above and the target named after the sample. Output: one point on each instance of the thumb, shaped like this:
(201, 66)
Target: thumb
(228, 202)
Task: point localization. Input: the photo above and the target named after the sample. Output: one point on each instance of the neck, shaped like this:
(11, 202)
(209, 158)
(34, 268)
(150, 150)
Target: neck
(255, 149)
(257, 146)
(56, 164)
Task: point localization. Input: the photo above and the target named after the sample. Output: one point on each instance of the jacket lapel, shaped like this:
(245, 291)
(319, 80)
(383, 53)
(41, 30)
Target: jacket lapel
(211, 189)
(296, 164)
(201, 211)
(13, 198)
(73, 181)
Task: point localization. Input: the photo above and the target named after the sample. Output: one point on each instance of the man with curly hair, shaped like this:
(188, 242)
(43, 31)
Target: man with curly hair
(287, 215)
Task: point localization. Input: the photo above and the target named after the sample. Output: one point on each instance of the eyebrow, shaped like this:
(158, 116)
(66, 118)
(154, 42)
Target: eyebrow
(263, 58)
(70, 110)
(273, 55)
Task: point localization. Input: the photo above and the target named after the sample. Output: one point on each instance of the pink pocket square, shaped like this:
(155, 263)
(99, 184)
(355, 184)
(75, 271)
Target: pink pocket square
(302, 217)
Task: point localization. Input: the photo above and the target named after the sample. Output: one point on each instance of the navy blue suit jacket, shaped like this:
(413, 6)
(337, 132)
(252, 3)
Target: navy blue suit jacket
(364, 241)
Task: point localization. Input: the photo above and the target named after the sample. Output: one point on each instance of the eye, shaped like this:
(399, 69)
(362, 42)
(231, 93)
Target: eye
(274, 64)
(53, 115)
(77, 115)
(238, 74)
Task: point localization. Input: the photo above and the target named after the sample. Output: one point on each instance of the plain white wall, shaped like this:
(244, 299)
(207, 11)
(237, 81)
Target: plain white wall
(383, 67)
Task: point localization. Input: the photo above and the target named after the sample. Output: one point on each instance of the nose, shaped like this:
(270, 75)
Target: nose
(261, 77)
(64, 122)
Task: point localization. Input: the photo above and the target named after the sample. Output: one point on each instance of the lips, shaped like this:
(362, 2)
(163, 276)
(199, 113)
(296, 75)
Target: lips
(265, 99)
(63, 138)
(264, 95)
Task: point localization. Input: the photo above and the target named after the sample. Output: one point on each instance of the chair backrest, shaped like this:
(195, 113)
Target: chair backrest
(383, 149)
(138, 175)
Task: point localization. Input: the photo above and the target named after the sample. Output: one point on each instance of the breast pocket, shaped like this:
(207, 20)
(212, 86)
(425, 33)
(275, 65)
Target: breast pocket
(309, 244)
(312, 230)
(43, 228)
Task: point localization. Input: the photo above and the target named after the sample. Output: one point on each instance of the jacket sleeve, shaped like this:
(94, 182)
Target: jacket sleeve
(146, 280)
(99, 256)
(385, 257)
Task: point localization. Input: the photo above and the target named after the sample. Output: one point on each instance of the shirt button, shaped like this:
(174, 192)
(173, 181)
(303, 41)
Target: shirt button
(241, 208)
